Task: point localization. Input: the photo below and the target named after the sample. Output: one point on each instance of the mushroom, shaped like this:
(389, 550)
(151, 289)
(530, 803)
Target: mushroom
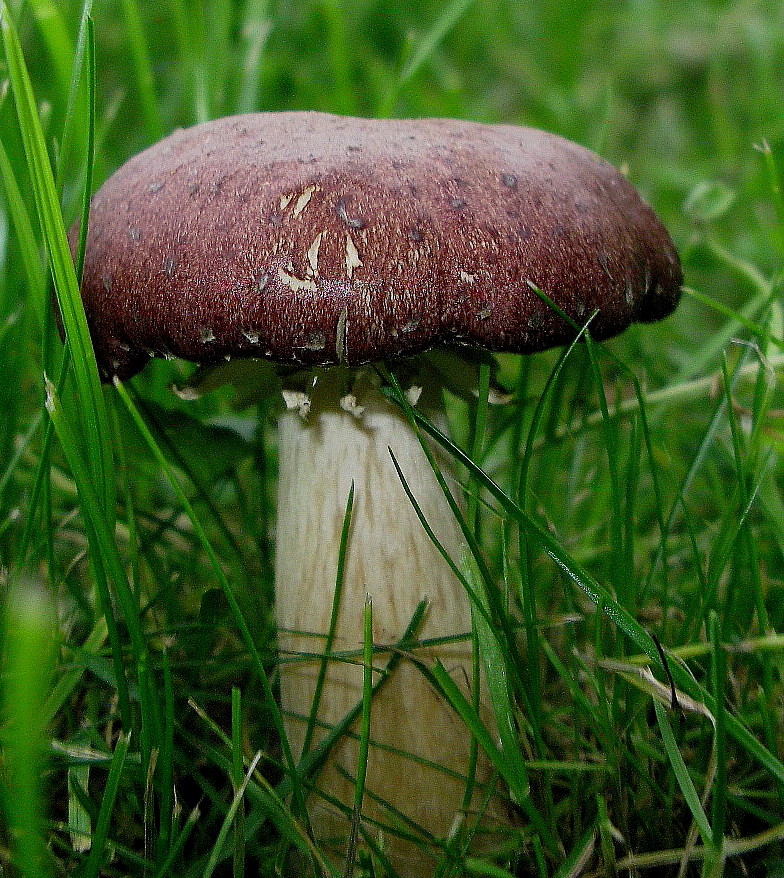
(326, 244)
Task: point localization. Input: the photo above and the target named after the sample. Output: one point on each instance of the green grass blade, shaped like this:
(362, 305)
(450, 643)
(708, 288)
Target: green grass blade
(421, 54)
(88, 385)
(142, 68)
(479, 428)
(317, 755)
(509, 765)
(166, 770)
(617, 573)
(53, 27)
(106, 565)
(364, 735)
(773, 174)
(718, 679)
(13, 462)
(217, 849)
(485, 869)
(497, 677)
(87, 35)
(688, 791)
(748, 319)
(237, 782)
(76, 126)
(256, 26)
(79, 815)
(94, 861)
(333, 621)
(168, 867)
(27, 658)
(26, 239)
(75, 669)
(341, 94)
(575, 862)
(491, 593)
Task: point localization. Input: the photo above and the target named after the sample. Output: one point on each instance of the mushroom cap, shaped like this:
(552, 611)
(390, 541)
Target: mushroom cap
(314, 239)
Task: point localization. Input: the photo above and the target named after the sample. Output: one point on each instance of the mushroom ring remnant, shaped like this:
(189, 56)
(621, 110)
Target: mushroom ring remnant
(324, 243)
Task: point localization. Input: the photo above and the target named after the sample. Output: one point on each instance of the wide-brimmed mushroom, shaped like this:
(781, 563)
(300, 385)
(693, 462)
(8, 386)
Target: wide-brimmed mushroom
(325, 244)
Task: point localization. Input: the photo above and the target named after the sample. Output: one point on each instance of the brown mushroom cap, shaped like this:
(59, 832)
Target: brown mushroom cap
(315, 239)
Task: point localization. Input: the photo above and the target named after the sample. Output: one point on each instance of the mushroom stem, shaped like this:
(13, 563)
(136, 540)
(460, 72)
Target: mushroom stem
(419, 754)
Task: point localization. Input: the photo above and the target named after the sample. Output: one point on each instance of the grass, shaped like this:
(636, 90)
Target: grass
(626, 526)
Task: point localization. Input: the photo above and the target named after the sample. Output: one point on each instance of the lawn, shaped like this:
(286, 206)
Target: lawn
(625, 507)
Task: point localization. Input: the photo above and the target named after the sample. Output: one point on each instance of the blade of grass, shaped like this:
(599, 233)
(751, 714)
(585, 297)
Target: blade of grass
(774, 185)
(718, 678)
(27, 653)
(498, 615)
(107, 567)
(682, 775)
(577, 859)
(25, 237)
(168, 866)
(617, 573)
(341, 94)
(88, 36)
(238, 864)
(50, 19)
(497, 662)
(496, 676)
(421, 54)
(75, 125)
(509, 765)
(663, 399)
(333, 620)
(698, 460)
(604, 827)
(217, 848)
(528, 592)
(485, 869)
(318, 754)
(256, 27)
(746, 319)
(22, 446)
(479, 427)
(103, 556)
(764, 292)
(364, 735)
(101, 833)
(268, 804)
(79, 817)
(732, 848)
(142, 68)
(99, 453)
(166, 759)
(75, 670)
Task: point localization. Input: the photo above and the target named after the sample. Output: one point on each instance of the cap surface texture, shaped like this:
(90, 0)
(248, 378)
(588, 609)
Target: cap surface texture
(313, 239)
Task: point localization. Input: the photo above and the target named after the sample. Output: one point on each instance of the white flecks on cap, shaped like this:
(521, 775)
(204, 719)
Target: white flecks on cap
(294, 283)
(353, 259)
(313, 253)
(303, 199)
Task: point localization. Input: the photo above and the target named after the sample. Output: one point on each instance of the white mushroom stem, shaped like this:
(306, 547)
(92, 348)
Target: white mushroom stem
(419, 754)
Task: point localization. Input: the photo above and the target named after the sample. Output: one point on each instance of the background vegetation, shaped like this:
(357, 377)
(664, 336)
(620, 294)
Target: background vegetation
(135, 531)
